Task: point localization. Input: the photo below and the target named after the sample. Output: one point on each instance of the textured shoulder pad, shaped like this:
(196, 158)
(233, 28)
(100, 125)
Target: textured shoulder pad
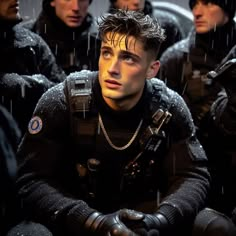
(181, 123)
(160, 94)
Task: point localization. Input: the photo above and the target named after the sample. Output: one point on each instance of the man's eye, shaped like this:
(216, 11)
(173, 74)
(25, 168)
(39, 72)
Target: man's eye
(106, 54)
(128, 59)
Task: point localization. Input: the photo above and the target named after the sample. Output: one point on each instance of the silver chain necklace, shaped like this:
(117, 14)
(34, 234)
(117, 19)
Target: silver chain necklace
(109, 140)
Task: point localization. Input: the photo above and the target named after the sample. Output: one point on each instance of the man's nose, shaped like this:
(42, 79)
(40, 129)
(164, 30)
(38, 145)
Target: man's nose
(75, 5)
(198, 10)
(114, 67)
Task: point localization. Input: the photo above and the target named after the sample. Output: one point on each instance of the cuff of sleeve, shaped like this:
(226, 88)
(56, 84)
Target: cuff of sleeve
(77, 217)
(171, 213)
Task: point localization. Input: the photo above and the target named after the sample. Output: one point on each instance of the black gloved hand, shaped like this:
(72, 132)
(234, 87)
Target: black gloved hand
(150, 224)
(110, 225)
(226, 75)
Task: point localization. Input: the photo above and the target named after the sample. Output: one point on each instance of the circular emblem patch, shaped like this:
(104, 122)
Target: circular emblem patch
(35, 125)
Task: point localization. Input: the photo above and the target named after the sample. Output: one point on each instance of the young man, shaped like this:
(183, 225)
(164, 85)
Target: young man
(168, 22)
(185, 65)
(101, 142)
(67, 28)
(27, 66)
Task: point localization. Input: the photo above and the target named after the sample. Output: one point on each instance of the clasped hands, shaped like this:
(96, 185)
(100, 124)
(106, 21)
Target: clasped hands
(124, 222)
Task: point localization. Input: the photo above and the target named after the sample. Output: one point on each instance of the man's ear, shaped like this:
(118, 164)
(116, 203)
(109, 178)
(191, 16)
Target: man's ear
(153, 69)
(52, 3)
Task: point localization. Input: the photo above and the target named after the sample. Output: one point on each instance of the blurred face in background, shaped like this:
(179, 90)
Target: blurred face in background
(133, 5)
(9, 10)
(71, 12)
(207, 16)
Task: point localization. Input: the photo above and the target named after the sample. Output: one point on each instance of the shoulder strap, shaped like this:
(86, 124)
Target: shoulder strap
(161, 100)
(160, 105)
(78, 90)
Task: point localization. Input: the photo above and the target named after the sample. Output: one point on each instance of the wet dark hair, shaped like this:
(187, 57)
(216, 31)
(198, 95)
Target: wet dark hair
(133, 23)
(192, 3)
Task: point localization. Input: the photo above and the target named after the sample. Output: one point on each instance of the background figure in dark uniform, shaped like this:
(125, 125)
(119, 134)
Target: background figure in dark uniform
(222, 155)
(67, 27)
(27, 66)
(111, 140)
(9, 140)
(185, 65)
(168, 22)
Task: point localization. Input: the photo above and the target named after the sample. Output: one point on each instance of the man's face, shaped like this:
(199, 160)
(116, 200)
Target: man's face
(71, 12)
(133, 5)
(123, 71)
(9, 9)
(207, 16)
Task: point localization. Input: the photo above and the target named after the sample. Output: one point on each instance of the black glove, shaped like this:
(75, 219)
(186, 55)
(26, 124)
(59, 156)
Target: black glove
(226, 75)
(110, 225)
(149, 224)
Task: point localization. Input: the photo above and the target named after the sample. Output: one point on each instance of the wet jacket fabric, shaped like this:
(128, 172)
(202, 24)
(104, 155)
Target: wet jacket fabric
(74, 48)
(168, 22)
(221, 145)
(184, 67)
(51, 180)
(9, 140)
(222, 155)
(27, 69)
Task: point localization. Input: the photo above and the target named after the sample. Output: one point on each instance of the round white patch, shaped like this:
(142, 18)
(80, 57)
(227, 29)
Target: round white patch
(35, 125)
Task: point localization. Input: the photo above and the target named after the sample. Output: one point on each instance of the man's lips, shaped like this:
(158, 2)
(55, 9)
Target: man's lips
(75, 18)
(112, 83)
(200, 22)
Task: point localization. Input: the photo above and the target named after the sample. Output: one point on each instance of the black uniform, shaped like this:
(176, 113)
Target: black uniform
(185, 65)
(27, 69)
(221, 152)
(66, 159)
(222, 135)
(9, 140)
(74, 48)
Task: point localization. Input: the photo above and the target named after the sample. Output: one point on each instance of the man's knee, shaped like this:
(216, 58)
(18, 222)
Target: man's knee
(212, 223)
(29, 229)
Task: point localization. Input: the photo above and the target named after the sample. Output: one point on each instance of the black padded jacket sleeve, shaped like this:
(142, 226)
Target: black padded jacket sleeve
(46, 62)
(41, 158)
(185, 165)
(223, 115)
(13, 85)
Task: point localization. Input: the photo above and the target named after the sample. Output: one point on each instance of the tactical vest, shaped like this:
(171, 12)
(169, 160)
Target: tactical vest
(198, 90)
(84, 116)
(84, 123)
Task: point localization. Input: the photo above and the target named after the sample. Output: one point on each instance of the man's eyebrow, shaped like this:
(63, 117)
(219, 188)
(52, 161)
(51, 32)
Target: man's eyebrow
(123, 52)
(128, 53)
(106, 47)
